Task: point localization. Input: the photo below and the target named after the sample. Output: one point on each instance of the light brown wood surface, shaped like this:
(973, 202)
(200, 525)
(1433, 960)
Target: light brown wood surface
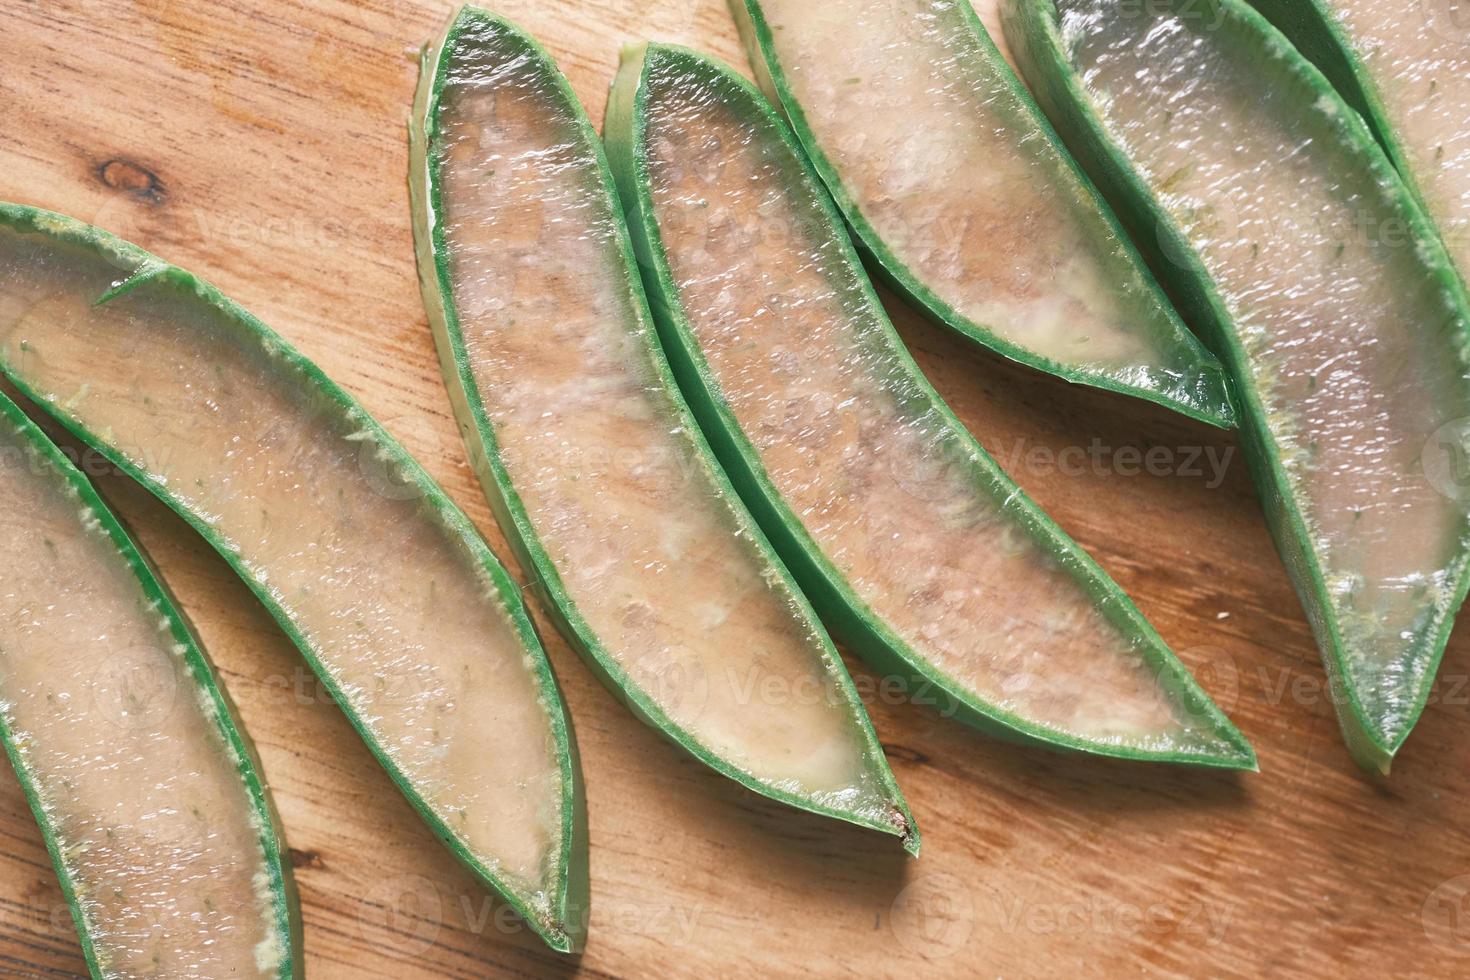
(261, 144)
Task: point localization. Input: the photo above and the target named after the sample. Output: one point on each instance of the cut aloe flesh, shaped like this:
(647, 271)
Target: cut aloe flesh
(386, 588)
(958, 189)
(146, 792)
(908, 538)
(643, 552)
(1285, 231)
(1407, 70)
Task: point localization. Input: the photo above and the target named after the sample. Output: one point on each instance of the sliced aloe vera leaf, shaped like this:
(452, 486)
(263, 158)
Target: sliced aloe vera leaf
(1406, 69)
(908, 538)
(960, 193)
(390, 594)
(145, 788)
(1283, 230)
(588, 454)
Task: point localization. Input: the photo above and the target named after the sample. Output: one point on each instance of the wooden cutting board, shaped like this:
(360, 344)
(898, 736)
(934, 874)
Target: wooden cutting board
(261, 144)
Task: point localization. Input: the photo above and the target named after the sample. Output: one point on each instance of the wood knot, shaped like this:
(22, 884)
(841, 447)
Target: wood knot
(132, 178)
(305, 859)
(905, 753)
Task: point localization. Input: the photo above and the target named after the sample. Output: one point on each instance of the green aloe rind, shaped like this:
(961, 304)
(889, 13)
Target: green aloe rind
(279, 952)
(558, 914)
(489, 44)
(835, 598)
(1383, 84)
(1377, 708)
(1168, 366)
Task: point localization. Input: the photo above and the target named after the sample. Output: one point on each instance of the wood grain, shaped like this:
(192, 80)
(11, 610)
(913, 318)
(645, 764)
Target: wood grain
(261, 144)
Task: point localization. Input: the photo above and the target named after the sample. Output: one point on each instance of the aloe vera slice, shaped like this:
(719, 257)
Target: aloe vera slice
(144, 786)
(910, 541)
(588, 453)
(1407, 70)
(957, 188)
(1286, 233)
(382, 583)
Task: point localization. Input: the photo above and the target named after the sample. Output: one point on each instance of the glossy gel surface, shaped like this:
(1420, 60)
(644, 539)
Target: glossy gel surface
(657, 561)
(1418, 61)
(899, 499)
(950, 174)
(1350, 345)
(140, 792)
(403, 620)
